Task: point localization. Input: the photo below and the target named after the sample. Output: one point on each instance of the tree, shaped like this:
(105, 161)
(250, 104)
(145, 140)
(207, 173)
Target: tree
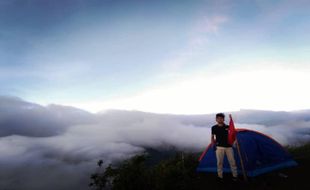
(176, 172)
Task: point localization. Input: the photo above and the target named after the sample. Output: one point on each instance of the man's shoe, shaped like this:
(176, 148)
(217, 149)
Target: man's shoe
(235, 179)
(220, 179)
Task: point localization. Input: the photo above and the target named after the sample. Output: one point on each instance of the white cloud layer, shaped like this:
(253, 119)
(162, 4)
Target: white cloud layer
(56, 147)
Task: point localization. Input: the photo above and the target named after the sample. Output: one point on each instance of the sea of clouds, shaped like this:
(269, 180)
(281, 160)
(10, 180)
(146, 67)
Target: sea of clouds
(57, 147)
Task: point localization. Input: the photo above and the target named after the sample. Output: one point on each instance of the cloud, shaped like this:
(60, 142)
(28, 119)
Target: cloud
(211, 25)
(43, 145)
(29, 119)
(202, 30)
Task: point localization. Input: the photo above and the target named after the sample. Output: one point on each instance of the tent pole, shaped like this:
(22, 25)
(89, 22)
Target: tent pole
(241, 161)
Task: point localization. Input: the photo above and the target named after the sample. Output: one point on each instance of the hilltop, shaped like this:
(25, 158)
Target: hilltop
(176, 170)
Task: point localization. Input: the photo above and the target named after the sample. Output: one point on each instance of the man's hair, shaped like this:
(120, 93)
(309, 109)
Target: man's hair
(222, 115)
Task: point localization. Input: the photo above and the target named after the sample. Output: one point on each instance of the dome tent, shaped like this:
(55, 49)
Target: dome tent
(260, 154)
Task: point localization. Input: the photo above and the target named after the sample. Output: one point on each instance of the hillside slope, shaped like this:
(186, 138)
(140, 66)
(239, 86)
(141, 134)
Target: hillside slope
(176, 170)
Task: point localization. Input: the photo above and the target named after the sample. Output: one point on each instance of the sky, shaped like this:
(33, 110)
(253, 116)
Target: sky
(178, 56)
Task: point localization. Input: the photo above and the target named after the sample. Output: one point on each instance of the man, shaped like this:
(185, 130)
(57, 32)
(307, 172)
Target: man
(219, 138)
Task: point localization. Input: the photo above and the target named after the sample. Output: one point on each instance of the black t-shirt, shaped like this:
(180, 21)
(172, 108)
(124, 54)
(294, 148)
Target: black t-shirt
(221, 134)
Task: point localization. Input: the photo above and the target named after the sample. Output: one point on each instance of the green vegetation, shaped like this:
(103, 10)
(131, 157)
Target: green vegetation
(177, 170)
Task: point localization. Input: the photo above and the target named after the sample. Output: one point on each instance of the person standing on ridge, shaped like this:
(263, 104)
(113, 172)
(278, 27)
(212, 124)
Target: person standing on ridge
(219, 138)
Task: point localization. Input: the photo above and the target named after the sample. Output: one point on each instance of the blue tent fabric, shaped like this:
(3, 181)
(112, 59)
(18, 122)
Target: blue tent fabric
(260, 154)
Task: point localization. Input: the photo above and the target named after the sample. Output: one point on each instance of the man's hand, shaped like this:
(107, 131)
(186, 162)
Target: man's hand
(235, 144)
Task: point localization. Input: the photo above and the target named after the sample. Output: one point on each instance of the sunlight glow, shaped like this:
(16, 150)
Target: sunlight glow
(272, 89)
